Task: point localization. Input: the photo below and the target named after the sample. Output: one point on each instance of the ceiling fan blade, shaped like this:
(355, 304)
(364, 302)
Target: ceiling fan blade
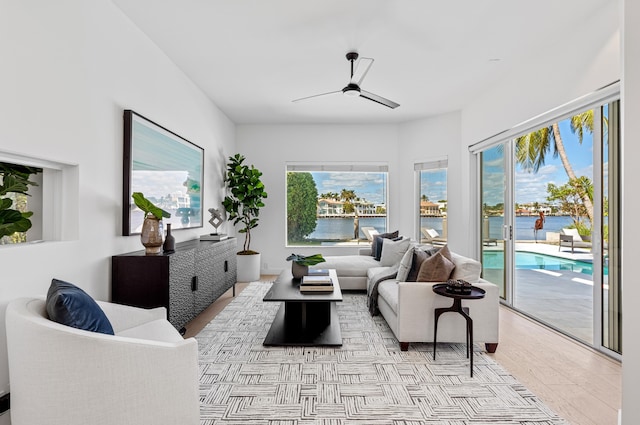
(379, 99)
(316, 95)
(363, 66)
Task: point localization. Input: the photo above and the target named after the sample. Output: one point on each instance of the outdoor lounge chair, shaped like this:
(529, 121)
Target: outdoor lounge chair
(369, 232)
(432, 236)
(571, 237)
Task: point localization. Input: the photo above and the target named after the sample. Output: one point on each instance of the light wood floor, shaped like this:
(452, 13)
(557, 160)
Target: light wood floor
(580, 384)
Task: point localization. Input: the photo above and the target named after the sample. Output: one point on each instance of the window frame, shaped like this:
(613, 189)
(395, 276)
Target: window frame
(435, 163)
(329, 166)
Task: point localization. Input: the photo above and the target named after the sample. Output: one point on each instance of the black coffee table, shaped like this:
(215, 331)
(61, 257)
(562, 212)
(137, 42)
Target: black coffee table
(305, 319)
(476, 293)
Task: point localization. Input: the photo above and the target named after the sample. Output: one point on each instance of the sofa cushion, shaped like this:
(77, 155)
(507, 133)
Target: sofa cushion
(156, 330)
(374, 274)
(393, 251)
(349, 265)
(71, 306)
(376, 245)
(388, 290)
(466, 268)
(436, 268)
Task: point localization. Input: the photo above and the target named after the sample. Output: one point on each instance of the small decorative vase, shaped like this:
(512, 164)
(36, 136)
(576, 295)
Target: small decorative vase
(169, 241)
(298, 270)
(151, 235)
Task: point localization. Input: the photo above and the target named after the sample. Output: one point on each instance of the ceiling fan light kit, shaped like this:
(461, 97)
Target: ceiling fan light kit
(353, 88)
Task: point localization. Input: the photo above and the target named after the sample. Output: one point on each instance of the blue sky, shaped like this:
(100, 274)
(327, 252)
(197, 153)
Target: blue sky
(532, 187)
(369, 186)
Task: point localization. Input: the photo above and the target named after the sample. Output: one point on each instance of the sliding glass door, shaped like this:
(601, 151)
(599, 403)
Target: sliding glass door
(550, 223)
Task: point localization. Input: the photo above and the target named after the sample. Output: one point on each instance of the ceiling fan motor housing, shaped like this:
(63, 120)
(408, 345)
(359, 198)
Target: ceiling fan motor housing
(351, 90)
(351, 56)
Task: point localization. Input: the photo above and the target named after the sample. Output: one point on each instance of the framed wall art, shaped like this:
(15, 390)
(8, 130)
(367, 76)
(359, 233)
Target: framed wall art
(166, 168)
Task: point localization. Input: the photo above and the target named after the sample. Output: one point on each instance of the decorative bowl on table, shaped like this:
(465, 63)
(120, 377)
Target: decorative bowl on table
(459, 286)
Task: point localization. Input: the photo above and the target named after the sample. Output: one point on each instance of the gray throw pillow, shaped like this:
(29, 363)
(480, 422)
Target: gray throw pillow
(418, 257)
(393, 251)
(405, 265)
(376, 245)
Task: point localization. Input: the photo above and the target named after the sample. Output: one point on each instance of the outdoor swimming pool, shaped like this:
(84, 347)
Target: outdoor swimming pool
(530, 260)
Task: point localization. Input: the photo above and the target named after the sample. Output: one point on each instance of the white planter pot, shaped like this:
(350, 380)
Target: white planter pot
(248, 267)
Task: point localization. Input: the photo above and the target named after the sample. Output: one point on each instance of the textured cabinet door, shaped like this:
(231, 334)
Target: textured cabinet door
(181, 295)
(231, 268)
(206, 272)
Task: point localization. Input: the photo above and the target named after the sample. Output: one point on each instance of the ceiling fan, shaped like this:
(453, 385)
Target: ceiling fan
(353, 88)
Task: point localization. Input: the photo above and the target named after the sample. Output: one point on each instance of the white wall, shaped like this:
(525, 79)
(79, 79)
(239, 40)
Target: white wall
(269, 147)
(578, 64)
(631, 205)
(422, 141)
(69, 69)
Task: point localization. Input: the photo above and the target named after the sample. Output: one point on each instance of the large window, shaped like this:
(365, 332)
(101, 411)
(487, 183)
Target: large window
(333, 204)
(432, 201)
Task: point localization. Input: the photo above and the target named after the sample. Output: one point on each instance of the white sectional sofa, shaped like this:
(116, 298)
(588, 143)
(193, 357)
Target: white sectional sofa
(408, 307)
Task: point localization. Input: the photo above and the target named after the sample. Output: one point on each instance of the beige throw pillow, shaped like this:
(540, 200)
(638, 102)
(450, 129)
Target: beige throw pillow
(436, 268)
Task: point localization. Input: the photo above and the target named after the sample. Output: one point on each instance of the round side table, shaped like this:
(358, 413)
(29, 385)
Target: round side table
(476, 293)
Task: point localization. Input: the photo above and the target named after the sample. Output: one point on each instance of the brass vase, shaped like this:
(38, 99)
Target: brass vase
(151, 235)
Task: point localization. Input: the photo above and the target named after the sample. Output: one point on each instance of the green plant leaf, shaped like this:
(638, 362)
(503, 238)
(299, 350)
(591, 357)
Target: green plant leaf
(310, 260)
(148, 207)
(5, 203)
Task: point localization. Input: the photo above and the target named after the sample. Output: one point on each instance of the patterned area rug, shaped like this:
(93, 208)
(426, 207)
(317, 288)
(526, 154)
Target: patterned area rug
(367, 381)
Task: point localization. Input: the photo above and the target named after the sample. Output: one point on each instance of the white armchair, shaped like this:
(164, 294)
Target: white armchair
(144, 374)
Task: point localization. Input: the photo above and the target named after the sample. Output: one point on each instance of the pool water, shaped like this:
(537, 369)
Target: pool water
(530, 260)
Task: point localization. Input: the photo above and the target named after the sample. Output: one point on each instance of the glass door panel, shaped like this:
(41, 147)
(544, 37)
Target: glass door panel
(493, 179)
(553, 278)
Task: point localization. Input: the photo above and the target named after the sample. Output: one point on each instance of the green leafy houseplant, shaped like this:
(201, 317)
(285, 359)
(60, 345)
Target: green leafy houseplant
(14, 179)
(244, 203)
(148, 207)
(300, 264)
(310, 260)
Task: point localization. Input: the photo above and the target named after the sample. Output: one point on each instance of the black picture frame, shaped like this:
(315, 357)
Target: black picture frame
(167, 168)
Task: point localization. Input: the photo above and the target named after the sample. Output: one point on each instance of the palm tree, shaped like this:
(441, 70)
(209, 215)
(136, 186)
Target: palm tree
(348, 196)
(532, 149)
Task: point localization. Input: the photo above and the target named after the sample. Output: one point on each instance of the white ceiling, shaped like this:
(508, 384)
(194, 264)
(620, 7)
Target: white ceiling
(253, 57)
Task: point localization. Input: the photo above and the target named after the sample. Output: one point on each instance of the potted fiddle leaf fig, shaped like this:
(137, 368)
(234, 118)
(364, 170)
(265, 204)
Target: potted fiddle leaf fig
(243, 203)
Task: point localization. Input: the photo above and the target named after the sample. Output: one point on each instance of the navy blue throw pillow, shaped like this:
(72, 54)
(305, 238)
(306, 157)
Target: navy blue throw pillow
(69, 305)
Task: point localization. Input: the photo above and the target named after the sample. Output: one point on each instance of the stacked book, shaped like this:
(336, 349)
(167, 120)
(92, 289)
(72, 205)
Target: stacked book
(317, 281)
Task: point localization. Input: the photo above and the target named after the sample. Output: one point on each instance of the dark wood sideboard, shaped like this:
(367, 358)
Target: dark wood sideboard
(185, 282)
